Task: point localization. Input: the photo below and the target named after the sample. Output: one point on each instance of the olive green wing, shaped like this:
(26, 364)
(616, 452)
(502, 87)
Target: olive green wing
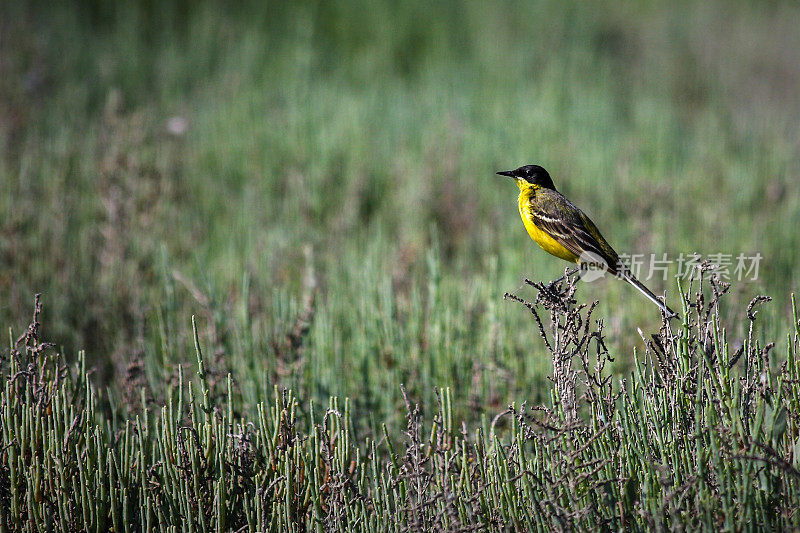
(570, 227)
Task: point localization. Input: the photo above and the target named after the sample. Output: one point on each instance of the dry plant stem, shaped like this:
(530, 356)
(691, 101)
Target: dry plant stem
(570, 337)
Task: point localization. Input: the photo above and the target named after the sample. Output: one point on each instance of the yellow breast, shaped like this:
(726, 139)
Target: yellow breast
(544, 240)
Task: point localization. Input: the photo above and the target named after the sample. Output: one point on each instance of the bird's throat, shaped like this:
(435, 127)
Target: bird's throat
(526, 188)
(526, 191)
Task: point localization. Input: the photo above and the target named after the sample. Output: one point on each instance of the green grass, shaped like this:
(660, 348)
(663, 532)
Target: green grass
(368, 134)
(701, 436)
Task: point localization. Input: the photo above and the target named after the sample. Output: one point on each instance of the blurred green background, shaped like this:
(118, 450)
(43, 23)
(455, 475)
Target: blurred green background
(315, 181)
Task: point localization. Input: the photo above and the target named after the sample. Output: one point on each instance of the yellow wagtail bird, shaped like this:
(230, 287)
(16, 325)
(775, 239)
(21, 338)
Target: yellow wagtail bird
(563, 230)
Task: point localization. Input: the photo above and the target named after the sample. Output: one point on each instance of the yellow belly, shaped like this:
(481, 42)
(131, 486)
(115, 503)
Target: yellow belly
(544, 240)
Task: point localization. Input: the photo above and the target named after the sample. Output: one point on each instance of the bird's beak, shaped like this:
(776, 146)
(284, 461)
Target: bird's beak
(509, 173)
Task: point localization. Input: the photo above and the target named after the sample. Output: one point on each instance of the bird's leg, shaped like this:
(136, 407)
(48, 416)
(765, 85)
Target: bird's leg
(562, 278)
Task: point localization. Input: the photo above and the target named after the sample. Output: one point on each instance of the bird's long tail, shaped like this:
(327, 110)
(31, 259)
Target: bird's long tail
(627, 276)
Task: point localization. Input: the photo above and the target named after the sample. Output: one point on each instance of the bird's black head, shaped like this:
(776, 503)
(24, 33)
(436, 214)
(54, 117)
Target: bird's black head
(533, 174)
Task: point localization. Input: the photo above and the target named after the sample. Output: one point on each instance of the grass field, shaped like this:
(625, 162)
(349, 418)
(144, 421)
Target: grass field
(315, 183)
